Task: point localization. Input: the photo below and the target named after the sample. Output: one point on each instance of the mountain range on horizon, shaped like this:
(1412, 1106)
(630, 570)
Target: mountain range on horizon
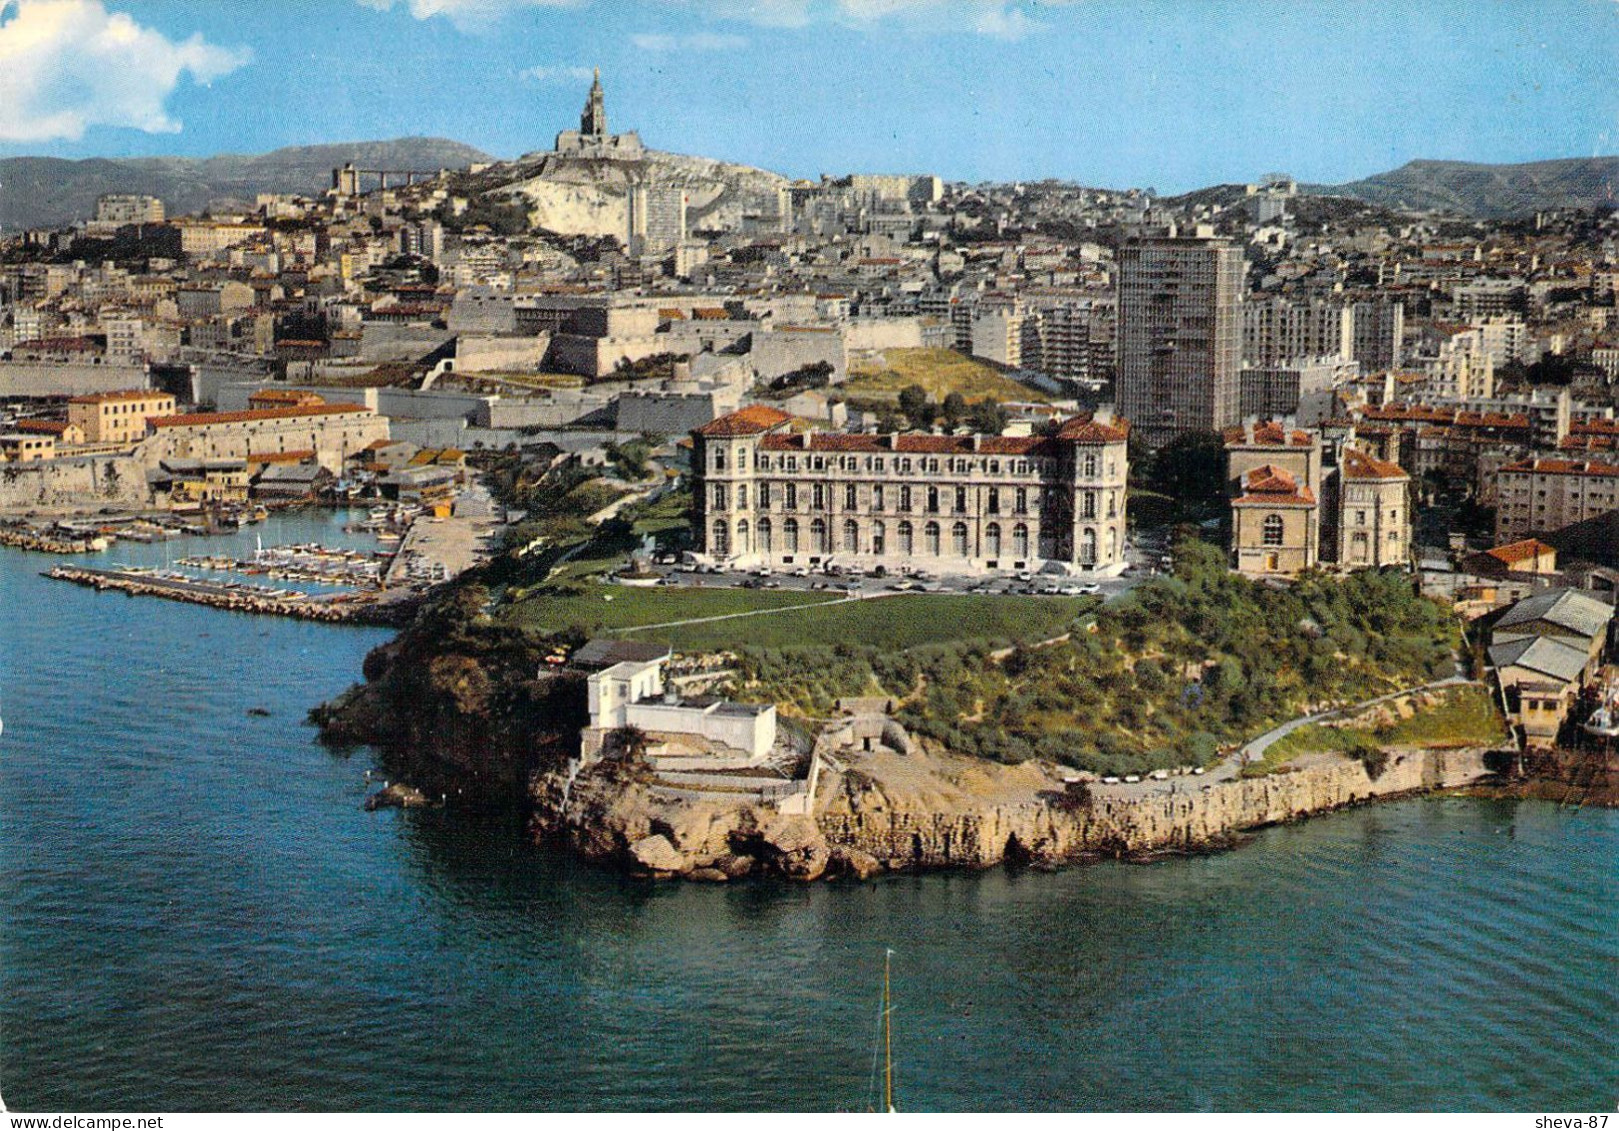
(48, 191)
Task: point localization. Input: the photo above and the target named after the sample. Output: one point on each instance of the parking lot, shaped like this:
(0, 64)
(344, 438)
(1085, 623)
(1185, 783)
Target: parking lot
(835, 578)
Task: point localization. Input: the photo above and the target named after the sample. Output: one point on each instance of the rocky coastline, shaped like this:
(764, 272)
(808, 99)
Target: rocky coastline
(466, 711)
(939, 811)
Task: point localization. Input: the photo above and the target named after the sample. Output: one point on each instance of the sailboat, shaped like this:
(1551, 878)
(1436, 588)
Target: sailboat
(887, 1040)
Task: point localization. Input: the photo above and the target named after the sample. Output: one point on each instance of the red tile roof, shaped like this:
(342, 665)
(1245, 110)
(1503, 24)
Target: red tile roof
(1270, 434)
(1358, 465)
(1086, 429)
(1563, 467)
(193, 418)
(1515, 552)
(1268, 485)
(904, 443)
(750, 421)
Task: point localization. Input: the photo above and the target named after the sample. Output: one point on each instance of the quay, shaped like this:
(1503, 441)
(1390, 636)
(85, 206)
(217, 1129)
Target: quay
(238, 598)
(26, 539)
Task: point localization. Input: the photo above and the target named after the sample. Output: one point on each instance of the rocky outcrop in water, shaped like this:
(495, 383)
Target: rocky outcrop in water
(924, 811)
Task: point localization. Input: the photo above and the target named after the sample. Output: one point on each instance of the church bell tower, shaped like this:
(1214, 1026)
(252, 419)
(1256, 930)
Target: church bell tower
(593, 122)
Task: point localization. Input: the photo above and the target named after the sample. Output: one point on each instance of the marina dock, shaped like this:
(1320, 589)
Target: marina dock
(237, 597)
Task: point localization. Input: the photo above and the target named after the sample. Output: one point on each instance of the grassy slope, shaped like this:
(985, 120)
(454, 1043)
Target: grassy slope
(888, 622)
(1466, 717)
(940, 372)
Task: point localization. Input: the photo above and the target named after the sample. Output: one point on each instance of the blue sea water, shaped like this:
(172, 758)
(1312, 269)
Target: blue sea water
(196, 913)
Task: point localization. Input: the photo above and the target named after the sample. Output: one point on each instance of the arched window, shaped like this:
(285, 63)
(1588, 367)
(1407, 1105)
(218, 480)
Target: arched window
(1020, 541)
(958, 539)
(1087, 548)
(879, 538)
(819, 543)
(906, 539)
(930, 539)
(764, 536)
(851, 536)
(742, 536)
(721, 545)
(1273, 530)
(992, 539)
(789, 535)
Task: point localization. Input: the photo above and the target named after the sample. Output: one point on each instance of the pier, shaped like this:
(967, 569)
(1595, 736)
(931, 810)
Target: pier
(236, 597)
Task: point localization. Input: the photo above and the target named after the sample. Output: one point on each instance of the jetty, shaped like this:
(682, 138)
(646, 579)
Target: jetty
(29, 539)
(237, 597)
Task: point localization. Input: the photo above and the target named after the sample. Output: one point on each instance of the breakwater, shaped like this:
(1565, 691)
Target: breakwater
(26, 539)
(238, 598)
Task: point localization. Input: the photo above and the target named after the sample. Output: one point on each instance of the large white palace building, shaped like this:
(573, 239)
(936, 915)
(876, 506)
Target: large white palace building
(770, 491)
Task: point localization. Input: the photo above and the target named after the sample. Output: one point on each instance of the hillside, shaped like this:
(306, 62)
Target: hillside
(585, 196)
(45, 191)
(1486, 191)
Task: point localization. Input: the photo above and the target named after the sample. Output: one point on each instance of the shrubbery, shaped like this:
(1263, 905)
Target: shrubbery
(1170, 673)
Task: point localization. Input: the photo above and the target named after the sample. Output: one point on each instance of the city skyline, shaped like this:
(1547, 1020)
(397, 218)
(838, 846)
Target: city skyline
(1171, 97)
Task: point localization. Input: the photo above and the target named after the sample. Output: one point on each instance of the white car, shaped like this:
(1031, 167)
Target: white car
(1090, 589)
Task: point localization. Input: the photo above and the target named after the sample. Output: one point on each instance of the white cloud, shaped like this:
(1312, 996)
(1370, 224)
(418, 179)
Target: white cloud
(66, 65)
(468, 15)
(564, 75)
(999, 19)
(697, 41)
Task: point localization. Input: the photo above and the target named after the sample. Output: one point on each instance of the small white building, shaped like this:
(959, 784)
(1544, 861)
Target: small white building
(632, 692)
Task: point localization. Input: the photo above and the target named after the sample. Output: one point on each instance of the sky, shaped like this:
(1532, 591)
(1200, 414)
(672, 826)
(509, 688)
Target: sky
(1167, 94)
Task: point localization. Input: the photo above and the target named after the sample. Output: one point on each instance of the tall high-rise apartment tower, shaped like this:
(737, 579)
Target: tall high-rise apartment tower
(1180, 335)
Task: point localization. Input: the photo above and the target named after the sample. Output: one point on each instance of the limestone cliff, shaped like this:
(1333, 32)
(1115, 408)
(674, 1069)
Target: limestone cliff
(590, 196)
(933, 810)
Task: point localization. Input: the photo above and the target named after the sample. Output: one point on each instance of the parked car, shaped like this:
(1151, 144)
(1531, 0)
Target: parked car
(1089, 589)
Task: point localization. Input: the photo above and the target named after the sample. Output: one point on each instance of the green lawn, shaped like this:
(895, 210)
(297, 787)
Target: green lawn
(890, 623)
(607, 607)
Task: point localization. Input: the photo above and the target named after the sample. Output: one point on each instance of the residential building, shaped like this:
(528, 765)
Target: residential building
(26, 447)
(1180, 334)
(1373, 513)
(1378, 329)
(1277, 330)
(767, 494)
(126, 208)
(1544, 649)
(117, 418)
(1543, 495)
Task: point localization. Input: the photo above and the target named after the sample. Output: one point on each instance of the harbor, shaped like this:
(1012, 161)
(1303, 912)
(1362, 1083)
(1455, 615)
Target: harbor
(366, 570)
(236, 596)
